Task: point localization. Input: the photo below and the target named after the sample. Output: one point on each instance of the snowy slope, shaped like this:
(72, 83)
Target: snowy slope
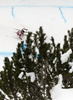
(55, 20)
(36, 2)
(58, 93)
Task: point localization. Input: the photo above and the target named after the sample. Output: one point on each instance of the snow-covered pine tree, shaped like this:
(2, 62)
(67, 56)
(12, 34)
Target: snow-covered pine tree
(34, 70)
(70, 34)
(42, 74)
(25, 77)
(30, 63)
(67, 74)
(65, 45)
(65, 66)
(7, 80)
(24, 62)
(70, 39)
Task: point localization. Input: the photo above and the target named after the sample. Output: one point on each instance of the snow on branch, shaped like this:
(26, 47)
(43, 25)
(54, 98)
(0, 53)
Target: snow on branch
(20, 75)
(7, 98)
(71, 64)
(31, 75)
(65, 56)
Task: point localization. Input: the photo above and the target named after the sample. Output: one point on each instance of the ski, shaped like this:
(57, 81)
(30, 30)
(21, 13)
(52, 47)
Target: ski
(19, 29)
(17, 38)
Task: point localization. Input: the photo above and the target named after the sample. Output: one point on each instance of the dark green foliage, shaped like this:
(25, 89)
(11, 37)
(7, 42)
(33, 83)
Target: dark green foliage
(7, 81)
(70, 33)
(65, 45)
(67, 75)
(46, 68)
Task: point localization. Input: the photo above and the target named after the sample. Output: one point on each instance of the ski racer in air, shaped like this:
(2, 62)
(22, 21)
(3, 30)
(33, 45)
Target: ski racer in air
(21, 32)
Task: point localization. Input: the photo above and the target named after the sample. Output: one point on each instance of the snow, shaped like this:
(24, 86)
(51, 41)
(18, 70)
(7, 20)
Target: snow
(31, 75)
(19, 95)
(71, 64)
(56, 17)
(20, 75)
(58, 93)
(6, 97)
(65, 56)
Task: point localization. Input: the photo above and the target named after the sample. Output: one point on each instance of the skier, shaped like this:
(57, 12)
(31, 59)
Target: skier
(20, 33)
